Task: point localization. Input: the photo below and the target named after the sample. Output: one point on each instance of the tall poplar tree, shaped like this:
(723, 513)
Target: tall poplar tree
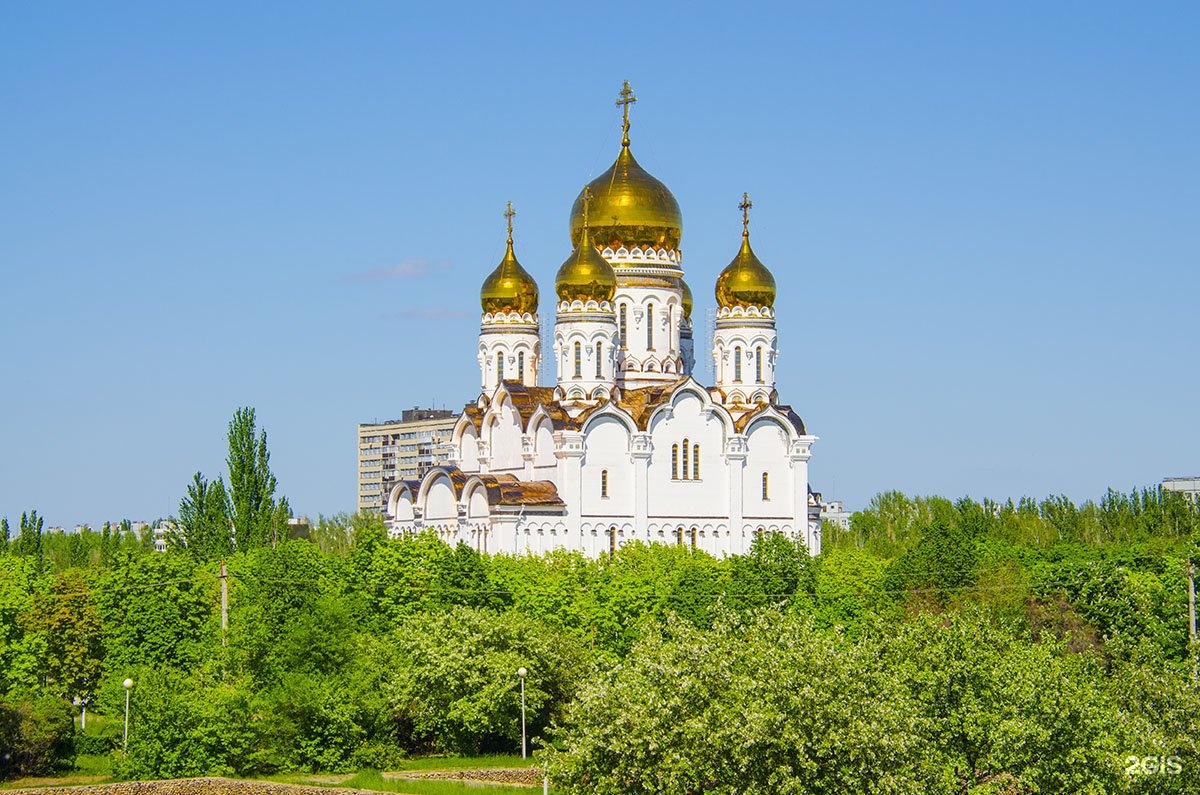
(258, 519)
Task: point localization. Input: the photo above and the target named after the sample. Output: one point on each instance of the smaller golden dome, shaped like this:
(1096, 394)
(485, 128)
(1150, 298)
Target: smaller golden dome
(509, 288)
(686, 299)
(585, 275)
(746, 281)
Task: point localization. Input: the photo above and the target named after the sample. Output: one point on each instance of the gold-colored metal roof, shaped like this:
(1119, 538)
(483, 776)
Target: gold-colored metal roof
(745, 281)
(686, 299)
(509, 288)
(629, 207)
(585, 275)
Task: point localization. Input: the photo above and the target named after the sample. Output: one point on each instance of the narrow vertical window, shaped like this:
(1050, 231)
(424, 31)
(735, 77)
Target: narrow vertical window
(737, 365)
(694, 532)
(650, 327)
(612, 540)
(599, 359)
(674, 462)
(685, 459)
(679, 536)
(622, 325)
(604, 483)
(499, 367)
(521, 366)
(695, 462)
(578, 360)
(766, 491)
(758, 364)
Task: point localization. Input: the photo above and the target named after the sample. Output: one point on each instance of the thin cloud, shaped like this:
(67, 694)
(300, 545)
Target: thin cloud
(408, 269)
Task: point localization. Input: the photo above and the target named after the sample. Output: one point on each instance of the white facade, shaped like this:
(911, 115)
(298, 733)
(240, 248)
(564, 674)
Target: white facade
(627, 446)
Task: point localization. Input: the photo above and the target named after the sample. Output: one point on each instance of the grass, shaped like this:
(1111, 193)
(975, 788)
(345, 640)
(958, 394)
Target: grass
(97, 769)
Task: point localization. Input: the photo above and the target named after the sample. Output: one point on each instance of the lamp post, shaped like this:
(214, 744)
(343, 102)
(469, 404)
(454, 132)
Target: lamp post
(521, 672)
(128, 685)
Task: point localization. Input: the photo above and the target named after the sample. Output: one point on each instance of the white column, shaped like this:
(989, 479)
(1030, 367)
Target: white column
(735, 456)
(799, 454)
(641, 450)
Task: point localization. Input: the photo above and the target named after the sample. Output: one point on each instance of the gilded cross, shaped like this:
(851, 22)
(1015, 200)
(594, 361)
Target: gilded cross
(627, 99)
(508, 215)
(745, 208)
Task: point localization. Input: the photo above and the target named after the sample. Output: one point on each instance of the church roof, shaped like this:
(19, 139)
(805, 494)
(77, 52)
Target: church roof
(744, 421)
(508, 490)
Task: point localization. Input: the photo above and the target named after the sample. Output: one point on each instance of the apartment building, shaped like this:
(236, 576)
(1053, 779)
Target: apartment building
(403, 449)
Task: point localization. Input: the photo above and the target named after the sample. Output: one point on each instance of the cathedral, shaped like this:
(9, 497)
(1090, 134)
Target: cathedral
(627, 445)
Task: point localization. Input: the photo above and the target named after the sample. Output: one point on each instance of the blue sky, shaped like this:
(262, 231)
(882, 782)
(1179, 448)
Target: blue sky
(983, 219)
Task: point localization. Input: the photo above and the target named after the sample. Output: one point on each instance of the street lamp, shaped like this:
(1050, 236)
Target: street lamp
(82, 704)
(521, 672)
(128, 685)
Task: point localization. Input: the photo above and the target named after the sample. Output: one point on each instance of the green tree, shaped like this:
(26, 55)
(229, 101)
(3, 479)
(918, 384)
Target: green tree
(3, 535)
(763, 705)
(70, 624)
(457, 684)
(257, 518)
(29, 541)
(35, 737)
(204, 519)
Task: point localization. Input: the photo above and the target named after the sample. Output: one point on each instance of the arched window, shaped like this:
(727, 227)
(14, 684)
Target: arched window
(604, 483)
(499, 367)
(679, 536)
(622, 327)
(758, 364)
(650, 326)
(612, 540)
(695, 462)
(685, 459)
(737, 365)
(766, 491)
(674, 462)
(694, 532)
(521, 366)
(578, 360)
(599, 359)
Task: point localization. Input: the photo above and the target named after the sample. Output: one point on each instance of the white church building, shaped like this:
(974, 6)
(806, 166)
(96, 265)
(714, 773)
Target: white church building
(627, 446)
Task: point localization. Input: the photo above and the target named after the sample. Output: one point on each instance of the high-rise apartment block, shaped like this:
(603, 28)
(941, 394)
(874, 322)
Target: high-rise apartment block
(403, 449)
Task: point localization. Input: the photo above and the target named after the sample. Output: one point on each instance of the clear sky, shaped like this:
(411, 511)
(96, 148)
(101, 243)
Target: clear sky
(984, 220)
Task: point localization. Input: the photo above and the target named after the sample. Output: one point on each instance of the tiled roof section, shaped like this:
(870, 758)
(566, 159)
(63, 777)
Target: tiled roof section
(641, 403)
(508, 490)
(744, 421)
(475, 415)
(526, 399)
(458, 479)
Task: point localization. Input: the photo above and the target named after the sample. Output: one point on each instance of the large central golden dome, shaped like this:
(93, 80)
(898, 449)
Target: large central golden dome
(629, 207)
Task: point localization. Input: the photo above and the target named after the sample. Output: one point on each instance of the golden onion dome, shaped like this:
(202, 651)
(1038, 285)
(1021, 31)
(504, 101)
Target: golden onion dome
(685, 299)
(509, 288)
(585, 275)
(745, 281)
(629, 207)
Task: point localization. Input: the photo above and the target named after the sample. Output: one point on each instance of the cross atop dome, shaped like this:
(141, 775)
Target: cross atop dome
(508, 216)
(627, 99)
(745, 208)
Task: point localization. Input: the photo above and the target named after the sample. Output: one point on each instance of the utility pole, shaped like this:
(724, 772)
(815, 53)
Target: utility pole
(1191, 569)
(224, 603)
